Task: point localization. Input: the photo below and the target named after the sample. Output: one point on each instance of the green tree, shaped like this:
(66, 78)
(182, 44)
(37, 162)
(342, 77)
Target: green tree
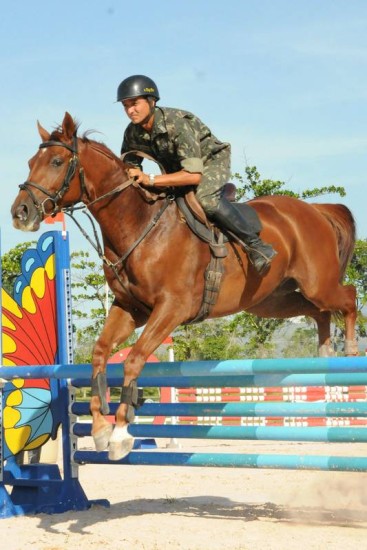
(91, 299)
(210, 340)
(11, 264)
(90, 296)
(357, 276)
(256, 334)
(253, 186)
(302, 342)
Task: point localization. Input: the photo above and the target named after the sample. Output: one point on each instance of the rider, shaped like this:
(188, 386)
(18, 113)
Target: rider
(191, 156)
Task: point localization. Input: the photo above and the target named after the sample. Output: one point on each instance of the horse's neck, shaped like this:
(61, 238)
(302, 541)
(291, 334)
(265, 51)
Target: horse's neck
(102, 173)
(121, 216)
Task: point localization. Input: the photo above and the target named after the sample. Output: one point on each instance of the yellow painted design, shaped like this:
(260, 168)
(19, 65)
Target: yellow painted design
(6, 323)
(38, 282)
(11, 418)
(8, 363)
(18, 382)
(37, 442)
(10, 304)
(14, 398)
(9, 345)
(50, 267)
(17, 438)
(27, 300)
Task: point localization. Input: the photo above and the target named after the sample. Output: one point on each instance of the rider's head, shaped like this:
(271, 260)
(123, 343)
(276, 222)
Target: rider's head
(138, 94)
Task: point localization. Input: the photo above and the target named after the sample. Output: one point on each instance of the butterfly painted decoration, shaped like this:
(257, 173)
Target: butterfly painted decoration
(29, 337)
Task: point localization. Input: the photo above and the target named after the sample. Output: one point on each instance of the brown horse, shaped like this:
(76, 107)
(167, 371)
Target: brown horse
(155, 265)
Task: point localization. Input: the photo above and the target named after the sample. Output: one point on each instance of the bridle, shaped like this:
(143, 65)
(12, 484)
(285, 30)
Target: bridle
(55, 197)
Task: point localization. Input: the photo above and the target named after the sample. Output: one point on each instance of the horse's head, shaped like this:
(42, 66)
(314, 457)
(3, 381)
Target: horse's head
(52, 172)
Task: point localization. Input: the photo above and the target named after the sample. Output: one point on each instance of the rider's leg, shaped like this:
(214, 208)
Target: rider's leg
(229, 217)
(247, 228)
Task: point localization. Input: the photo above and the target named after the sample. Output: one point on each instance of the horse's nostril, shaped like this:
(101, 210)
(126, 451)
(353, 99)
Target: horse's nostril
(21, 212)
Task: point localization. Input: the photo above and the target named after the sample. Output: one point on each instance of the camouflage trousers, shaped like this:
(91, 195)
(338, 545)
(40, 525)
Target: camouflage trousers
(217, 172)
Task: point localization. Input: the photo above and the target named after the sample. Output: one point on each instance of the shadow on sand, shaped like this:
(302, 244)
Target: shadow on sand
(210, 507)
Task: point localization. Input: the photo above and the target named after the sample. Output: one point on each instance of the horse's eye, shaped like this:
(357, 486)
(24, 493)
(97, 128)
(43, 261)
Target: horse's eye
(57, 161)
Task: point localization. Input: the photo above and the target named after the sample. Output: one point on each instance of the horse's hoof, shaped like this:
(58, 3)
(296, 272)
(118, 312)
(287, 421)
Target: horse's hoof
(102, 437)
(120, 444)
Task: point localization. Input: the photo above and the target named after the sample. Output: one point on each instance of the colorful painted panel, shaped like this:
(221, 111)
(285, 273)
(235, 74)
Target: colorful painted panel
(29, 337)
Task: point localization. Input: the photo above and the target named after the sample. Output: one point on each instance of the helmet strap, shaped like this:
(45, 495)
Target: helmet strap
(151, 102)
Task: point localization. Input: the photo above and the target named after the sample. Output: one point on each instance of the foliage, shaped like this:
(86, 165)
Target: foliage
(302, 343)
(357, 275)
(91, 299)
(10, 264)
(256, 332)
(90, 295)
(254, 186)
(212, 339)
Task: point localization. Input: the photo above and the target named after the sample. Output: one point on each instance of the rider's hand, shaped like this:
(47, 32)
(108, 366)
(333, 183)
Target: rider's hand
(137, 175)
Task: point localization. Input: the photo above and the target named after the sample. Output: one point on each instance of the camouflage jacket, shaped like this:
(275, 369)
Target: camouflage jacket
(179, 141)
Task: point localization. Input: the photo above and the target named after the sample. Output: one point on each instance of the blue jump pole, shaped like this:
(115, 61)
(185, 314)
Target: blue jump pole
(230, 460)
(201, 369)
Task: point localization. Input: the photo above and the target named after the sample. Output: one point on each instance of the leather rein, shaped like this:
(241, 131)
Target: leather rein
(55, 197)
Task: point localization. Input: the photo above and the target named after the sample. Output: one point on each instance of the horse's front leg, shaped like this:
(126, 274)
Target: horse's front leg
(160, 325)
(118, 326)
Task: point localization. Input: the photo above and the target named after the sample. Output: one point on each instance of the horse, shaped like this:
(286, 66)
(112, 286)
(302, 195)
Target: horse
(155, 265)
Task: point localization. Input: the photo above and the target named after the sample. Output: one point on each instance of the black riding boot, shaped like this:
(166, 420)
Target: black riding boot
(246, 226)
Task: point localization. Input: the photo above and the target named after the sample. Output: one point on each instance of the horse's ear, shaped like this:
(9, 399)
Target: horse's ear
(68, 126)
(45, 136)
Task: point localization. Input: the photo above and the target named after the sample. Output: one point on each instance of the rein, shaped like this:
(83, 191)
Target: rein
(97, 245)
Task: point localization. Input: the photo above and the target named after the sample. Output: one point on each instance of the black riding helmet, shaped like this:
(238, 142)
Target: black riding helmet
(136, 86)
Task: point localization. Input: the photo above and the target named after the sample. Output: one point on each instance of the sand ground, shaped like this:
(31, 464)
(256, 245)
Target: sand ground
(158, 508)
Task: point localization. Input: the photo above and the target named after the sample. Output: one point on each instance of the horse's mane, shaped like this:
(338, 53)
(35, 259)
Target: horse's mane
(58, 135)
(99, 145)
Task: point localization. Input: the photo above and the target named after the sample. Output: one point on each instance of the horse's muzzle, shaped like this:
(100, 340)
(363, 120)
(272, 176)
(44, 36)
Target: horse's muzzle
(25, 217)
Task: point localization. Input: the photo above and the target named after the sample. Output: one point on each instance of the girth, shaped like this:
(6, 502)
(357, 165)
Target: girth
(214, 271)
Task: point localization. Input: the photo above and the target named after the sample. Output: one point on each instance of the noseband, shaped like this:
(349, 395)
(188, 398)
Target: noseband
(57, 195)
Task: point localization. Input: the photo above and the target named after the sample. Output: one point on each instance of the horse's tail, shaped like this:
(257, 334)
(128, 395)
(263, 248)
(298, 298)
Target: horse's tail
(343, 223)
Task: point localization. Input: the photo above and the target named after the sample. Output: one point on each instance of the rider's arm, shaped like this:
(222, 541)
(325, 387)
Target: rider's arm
(177, 179)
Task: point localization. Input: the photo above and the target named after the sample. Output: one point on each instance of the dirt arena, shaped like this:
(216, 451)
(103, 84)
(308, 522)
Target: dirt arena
(158, 508)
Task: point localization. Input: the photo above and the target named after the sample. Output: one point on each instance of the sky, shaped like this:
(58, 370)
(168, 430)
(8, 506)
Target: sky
(284, 81)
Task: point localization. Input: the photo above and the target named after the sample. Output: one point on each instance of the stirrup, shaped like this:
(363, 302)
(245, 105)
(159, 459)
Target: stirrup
(260, 260)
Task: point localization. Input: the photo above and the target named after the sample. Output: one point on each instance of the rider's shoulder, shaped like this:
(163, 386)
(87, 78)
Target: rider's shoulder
(172, 114)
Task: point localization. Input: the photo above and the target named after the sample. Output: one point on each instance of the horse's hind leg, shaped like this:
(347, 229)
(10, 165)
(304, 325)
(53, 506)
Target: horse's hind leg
(118, 326)
(329, 295)
(294, 304)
